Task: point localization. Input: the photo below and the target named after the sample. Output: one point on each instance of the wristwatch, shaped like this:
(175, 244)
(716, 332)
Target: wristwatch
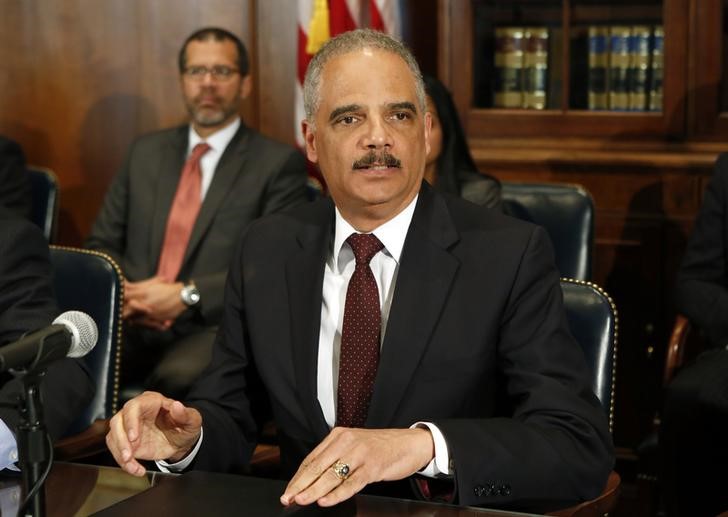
(190, 295)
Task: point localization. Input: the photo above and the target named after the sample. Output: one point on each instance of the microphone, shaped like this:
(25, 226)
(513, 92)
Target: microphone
(72, 334)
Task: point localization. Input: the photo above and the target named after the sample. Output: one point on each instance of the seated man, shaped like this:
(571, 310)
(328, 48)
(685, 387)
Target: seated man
(396, 330)
(693, 438)
(26, 305)
(177, 207)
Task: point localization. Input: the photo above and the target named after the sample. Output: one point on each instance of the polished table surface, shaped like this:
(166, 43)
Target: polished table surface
(80, 490)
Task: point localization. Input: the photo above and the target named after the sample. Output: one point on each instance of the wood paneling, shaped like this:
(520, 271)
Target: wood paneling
(80, 79)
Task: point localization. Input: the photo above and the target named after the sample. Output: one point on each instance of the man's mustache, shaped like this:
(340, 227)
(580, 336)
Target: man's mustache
(377, 159)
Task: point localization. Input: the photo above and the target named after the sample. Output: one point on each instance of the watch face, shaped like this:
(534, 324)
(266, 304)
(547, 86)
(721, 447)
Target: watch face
(190, 295)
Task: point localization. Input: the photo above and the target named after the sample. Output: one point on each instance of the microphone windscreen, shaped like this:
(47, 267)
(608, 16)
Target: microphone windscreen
(84, 331)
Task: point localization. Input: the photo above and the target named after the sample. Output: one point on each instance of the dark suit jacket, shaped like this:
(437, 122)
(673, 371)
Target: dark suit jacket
(15, 191)
(255, 176)
(702, 282)
(27, 304)
(476, 342)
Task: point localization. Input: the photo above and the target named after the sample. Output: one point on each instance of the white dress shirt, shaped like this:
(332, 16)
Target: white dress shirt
(338, 271)
(218, 142)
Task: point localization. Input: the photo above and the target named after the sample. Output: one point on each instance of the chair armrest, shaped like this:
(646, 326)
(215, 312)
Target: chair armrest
(86, 443)
(676, 348)
(598, 507)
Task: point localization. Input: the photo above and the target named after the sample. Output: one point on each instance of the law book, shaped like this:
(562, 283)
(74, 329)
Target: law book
(535, 63)
(619, 39)
(639, 64)
(656, 69)
(508, 77)
(598, 78)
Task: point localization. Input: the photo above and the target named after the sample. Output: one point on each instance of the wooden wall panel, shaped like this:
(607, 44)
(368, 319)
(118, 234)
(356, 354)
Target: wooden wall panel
(81, 78)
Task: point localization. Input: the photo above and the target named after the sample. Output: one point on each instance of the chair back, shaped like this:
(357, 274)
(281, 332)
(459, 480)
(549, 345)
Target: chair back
(566, 212)
(44, 190)
(592, 318)
(92, 282)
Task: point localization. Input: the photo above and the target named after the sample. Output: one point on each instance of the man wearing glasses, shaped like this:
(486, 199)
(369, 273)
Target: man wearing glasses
(178, 205)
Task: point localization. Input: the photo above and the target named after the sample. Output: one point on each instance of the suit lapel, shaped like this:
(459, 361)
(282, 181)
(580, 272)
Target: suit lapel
(426, 272)
(170, 168)
(231, 163)
(304, 277)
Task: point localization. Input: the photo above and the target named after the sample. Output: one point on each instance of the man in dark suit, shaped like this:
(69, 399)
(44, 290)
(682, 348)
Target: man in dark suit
(15, 192)
(27, 304)
(693, 438)
(476, 378)
(175, 250)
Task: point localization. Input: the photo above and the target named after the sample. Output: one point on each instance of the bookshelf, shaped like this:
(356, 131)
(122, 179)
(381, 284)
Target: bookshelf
(646, 168)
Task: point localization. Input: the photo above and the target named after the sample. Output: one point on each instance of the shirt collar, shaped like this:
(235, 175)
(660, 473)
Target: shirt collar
(392, 233)
(218, 141)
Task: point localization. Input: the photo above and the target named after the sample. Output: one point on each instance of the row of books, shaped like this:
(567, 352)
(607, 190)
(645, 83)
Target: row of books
(626, 67)
(521, 67)
(625, 64)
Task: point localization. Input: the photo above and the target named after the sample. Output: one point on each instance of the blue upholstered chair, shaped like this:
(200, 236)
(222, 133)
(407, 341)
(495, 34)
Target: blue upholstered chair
(92, 282)
(567, 214)
(44, 189)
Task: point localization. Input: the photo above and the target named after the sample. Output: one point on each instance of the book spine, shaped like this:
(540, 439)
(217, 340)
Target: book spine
(535, 62)
(598, 78)
(619, 68)
(508, 88)
(656, 67)
(639, 61)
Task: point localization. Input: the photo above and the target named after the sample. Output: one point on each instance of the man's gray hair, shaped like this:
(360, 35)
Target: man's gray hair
(349, 42)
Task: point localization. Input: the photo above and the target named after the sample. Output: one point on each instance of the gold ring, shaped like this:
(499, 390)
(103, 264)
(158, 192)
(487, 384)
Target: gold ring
(341, 470)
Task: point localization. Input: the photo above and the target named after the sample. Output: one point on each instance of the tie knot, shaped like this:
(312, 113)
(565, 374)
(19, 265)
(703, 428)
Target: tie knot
(199, 150)
(364, 246)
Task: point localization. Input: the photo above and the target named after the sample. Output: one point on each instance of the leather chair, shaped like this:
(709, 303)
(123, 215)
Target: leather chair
(592, 318)
(566, 212)
(44, 190)
(92, 282)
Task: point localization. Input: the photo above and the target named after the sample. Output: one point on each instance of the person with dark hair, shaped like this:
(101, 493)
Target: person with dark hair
(693, 440)
(403, 336)
(175, 209)
(15, 194)
(450, 167)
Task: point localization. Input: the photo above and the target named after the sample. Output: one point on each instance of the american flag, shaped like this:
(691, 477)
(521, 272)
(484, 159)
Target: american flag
(319, 20)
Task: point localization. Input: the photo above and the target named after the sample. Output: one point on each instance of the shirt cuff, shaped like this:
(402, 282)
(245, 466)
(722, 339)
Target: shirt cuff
(8, 448)
(184, 462)
(440, 464)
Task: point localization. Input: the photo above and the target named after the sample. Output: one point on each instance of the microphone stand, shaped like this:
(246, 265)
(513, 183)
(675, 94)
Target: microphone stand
(33, 442)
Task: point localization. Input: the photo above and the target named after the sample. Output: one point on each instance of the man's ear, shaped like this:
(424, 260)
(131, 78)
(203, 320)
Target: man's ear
(246, 86)
(309, 136)
(428, 128)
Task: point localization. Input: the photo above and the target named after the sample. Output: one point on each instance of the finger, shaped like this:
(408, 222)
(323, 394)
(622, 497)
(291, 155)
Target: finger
(327, 482)
(121, 449)
(348, 488)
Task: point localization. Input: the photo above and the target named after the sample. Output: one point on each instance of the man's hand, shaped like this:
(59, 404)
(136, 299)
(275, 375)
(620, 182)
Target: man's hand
(153, 302)
(152, 427)
(371, 454)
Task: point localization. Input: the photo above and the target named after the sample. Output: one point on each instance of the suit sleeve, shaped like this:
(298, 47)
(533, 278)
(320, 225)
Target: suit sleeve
(108, 233)
(286, 188)
(552, 443)
(222, 392)
(27, 304)
(702, 282)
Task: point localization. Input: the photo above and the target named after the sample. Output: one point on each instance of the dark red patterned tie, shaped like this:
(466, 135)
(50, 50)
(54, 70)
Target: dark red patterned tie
(359, 336)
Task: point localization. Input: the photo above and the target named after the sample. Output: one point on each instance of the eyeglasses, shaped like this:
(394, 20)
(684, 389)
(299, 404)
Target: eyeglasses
(218, 72)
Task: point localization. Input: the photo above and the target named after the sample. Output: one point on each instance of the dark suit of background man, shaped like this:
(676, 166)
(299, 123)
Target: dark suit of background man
(14, 179)
(173, 315)
(694, 437)
(476, 353)
(27, 304)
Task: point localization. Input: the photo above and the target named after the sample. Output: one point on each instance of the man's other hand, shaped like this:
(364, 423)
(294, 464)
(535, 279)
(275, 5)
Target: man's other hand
(371, 455)
(152, 427)
(153, 302)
